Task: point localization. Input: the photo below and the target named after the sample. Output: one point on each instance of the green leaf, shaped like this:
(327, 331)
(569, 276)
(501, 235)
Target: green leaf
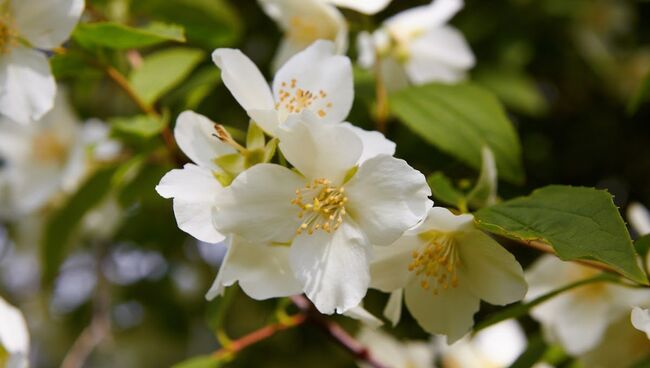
(63, 223)
(144, 126)
(197, 87)
(521, 309)
(515, 89)
(202, 361)
(641, 95)
(642, 245)
(578, 222)
(162, 71)
(459, 120)
(208, 23)
(118, 36)
(444, 191)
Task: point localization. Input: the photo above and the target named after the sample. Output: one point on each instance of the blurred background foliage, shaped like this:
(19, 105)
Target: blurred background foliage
(567, 72)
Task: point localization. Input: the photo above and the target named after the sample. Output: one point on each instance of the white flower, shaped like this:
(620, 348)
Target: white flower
(194, 187)
(639, 218)
(641, 320)
(394, 353)
(306, 21)
(329, 209)
(39, 160)
(314, 79)
(27, 87)
(621, 346)
(577, 318)
(14, 337)
(497, 346)
(446, 266)
(421, 41)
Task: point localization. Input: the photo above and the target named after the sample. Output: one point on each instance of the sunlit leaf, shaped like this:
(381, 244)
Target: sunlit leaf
(118, 36)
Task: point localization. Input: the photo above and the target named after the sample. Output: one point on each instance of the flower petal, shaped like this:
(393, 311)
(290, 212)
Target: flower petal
(443, 220)
(386, 197)
(257, 205)
(361, 314)
(450, 312)
(332, 267)
(440, 55)
(393, 308)
(364, 6)
(46, 24)
(194, 190)
(263, 272)
(319, 71)
(415, 20)
(374, 143)
(246, 83)
(27, 87)
(494, 274)
(305, 21)
(319, 150)
(639, 218)
(641, 320)
(194, 135)
(389, 267)
(14, 336)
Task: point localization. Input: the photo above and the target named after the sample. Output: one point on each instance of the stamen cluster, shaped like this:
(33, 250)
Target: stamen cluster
(295, 99)
(322, 206)
(437, 261)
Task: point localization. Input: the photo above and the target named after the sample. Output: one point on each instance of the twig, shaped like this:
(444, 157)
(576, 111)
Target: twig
(258, 335)
(336, 332)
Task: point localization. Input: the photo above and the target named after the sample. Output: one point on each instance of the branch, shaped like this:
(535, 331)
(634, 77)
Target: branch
(258, 335)
(336, 332)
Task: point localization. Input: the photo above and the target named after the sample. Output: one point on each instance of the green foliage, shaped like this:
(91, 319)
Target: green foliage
(484, 192)
(515, 89)
(208, 23)
(533, 353)
(641, 95)
(443, 190)
(162, 71)
(201, 361)
(143, 126)
(63, 223)
(197, 87)
(459, 120)
(578, 222)
(120, 37)
(642, 245)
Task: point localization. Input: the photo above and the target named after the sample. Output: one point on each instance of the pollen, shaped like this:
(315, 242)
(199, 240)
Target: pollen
(322, 206)
(8, 34)
(48, 148)
(436, 264)
(293, 99)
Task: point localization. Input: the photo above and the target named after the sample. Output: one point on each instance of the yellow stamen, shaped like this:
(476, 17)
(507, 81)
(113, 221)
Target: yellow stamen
(436, 263)
(322, 206)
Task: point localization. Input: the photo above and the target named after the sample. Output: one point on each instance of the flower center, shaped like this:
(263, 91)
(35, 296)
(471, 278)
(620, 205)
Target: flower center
(305, 30)
(322, 206)
(48, 148)
(294, 99)
(435, 264)
(8, 34)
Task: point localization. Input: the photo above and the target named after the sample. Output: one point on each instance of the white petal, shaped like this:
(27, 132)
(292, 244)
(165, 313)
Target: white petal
(319, 150)
(500, 344)
(262, 271)
(374, 143)
(14, 336)
(257, 205)
(246, 83)
(393, 309)
(639, 218)
(46, 24)
(361, 314)
(305, 21)
(363, 6)
(493, 273)
(367, 55)
(420, 18)
(27, 87)
(194, 135)
(439, 55)
(389, 266)
(641, 320)
(450, 313)
(195, 191)
(387, 197)
(319, 71)
(332, 267)
(443, 220)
